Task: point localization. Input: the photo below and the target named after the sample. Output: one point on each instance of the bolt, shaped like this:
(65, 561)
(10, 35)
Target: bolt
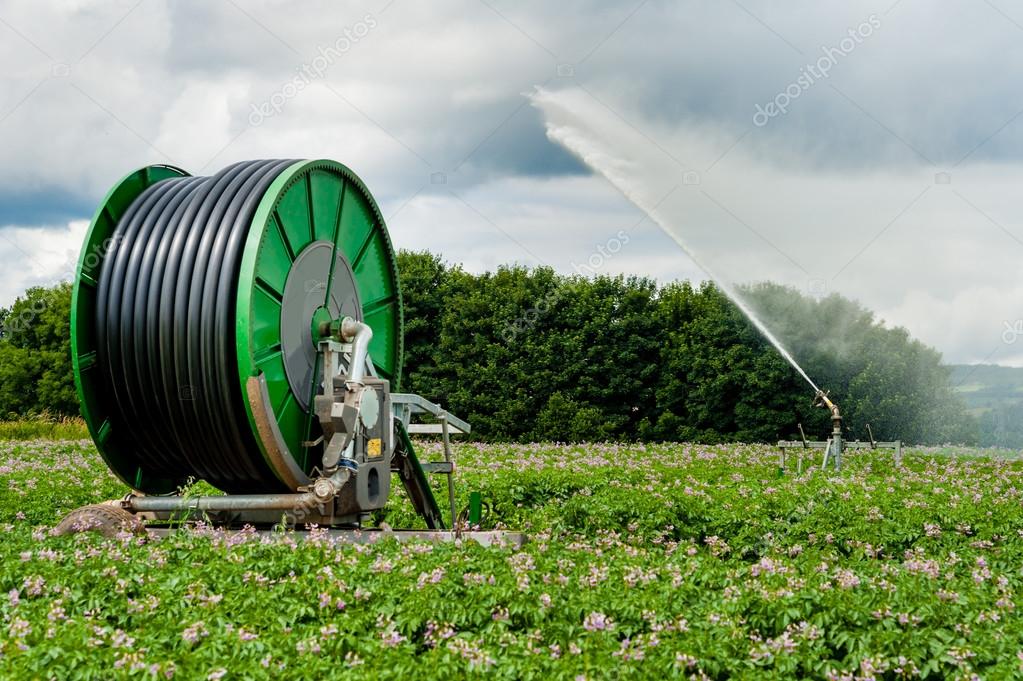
(323, 489)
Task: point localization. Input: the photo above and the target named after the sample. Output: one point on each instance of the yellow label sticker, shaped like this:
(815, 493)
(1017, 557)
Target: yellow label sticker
(373, 447)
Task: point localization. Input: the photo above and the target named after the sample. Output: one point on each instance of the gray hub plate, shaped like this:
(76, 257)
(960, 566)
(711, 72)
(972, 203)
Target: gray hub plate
(304, 292)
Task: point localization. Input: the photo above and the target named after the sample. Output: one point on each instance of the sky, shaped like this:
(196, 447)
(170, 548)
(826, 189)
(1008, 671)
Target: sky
(871, 149)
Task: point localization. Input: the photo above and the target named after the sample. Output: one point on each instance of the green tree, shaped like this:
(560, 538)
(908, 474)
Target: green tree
(720, 378)
(35, 354)
(531, 354)
(878, 375)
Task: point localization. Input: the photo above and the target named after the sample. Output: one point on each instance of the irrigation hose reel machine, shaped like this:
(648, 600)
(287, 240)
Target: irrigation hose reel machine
(246, 329)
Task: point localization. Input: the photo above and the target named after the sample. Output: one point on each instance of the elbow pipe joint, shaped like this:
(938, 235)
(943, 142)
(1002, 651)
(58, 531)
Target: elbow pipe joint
(821, 399)
(359, 334)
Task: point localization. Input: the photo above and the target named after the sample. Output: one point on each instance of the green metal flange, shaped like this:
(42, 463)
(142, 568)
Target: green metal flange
(315, 212)
(112, 446)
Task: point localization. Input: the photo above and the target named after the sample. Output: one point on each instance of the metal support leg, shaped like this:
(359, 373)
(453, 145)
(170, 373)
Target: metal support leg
(451, 474)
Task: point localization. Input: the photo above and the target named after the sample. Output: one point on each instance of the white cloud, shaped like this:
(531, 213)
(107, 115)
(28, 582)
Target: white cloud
(38, 256)
(559, 222)
(92, 90)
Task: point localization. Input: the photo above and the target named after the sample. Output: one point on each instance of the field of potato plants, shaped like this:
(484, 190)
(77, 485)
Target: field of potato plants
(666, 561)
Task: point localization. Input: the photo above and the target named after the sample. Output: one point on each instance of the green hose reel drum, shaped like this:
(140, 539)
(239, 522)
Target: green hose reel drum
(196, 315)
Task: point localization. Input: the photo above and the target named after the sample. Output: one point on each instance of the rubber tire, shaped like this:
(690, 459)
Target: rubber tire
(106, 519)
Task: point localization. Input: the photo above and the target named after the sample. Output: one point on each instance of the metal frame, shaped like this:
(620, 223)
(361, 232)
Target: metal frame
(830, 456)
(317, 499)
(407, 405)
(835, 445)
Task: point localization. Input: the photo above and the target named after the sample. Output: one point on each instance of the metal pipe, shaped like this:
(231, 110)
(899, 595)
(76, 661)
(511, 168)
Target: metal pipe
(359, 335)
(320, 492)
(230, 502)
(836, 426)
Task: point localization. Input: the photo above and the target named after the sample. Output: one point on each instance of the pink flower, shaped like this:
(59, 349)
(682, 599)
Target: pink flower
(597, 621)
(847, 579)
(391, 638)
(195, 632)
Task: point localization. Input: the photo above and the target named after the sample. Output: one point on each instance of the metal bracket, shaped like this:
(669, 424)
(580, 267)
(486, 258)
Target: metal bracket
(407, 405)
(404, 406)
(829, 454)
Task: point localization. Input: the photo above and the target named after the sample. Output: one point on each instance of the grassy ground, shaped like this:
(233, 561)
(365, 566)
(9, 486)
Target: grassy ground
(677, 561)
(44, 428)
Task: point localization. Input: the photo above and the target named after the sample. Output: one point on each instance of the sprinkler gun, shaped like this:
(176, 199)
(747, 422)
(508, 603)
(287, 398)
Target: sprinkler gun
(821, 399)
(836, 445)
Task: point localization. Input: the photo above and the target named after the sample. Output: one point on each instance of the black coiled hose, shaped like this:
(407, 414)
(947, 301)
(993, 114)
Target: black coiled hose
(165, 318)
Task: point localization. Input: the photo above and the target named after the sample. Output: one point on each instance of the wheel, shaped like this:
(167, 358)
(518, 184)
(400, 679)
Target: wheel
(106, 519)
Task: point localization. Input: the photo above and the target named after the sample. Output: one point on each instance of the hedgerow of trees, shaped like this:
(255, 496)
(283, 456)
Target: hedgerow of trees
(528, 354)
(533, 355)
(35, 356)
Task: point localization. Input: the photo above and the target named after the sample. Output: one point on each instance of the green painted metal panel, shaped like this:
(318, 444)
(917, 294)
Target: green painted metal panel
(372, 272)
(116, 452)
(313, 200)
(275, 259)
(266, 324)
(291, 419)
(293, 211)
(357, 221)
(326, 190)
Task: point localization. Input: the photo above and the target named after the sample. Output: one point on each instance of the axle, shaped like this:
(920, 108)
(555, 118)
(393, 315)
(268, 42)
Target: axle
(322, 491)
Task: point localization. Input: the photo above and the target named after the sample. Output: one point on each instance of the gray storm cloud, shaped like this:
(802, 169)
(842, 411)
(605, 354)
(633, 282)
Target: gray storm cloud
(838, 193)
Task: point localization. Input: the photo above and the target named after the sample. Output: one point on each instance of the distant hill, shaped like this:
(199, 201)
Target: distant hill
(984, 386)
(994, 394)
